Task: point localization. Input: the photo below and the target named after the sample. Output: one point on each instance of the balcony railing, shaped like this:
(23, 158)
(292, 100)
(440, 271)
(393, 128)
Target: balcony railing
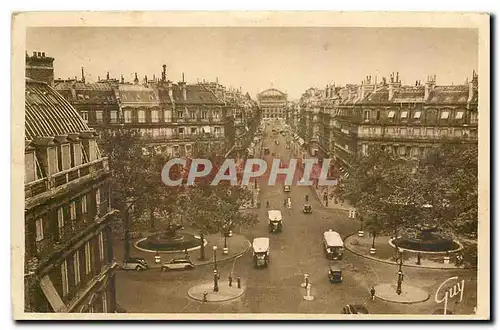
(64, 177)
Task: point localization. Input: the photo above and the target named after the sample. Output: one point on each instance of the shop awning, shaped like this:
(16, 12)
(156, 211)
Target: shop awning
(52, 295)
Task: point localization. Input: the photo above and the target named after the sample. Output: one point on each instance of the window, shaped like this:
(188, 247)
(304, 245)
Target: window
(167, 116)
(459, 115)
(29, 167)
(217, 130)
(85, 116)
(203, 115)
(53, 160)
(378, 115)
(156, 132)
(65, 157)
(443, 132)
(60, 221)
(88, 260)
(429, 131)
(104, 302)
(127, 114)
(458, 132)
(180, 114)
(98, 200)
(76, 267)
(98, 116)
(181, 130)
(473, 117)
(391, 114)
(366, 115)
(64, 278)
(402, 150)
(402, 131)
(364, 149)
(417, 115)
(113, 116)
(404, 114)
(72, 210)
(192, 114)
(216, 114)
(416, 131)
(77, 154)
(142, 116)
(193, 130)
(92, 150)
(444, 115)
(154, 116)
(39, 229)
(101, 246)
(84, 204)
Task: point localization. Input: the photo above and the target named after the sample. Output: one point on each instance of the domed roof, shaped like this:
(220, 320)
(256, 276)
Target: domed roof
(271, 92)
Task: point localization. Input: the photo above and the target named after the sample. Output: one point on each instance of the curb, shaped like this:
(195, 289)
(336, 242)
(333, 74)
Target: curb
(394, 263)
(406, 302)
(243, 290)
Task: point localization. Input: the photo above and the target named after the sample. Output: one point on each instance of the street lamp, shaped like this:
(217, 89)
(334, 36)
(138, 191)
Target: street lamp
(215, 258)
(130, 208)
(400, 271)
(216, 281)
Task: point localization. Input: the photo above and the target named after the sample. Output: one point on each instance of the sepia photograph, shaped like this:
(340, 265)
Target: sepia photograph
(250, 165)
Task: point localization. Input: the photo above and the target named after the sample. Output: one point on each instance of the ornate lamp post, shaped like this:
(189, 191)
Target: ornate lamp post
(215, 258)
(400, 271)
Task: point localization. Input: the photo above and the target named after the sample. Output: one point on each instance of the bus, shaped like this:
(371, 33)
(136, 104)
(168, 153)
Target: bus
(333, 244)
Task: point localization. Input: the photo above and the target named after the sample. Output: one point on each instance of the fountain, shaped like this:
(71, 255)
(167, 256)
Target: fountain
(170, 240)
(427, 241)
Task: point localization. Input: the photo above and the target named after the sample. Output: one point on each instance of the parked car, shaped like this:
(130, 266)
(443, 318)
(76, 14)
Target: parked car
(135, 264)
(354, 309)
(307, 208)
(176, 264)
(335, 275)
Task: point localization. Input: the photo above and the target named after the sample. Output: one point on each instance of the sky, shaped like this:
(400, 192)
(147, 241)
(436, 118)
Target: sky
(257, 58)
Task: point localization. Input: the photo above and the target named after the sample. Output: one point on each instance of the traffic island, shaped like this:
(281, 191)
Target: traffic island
(384, 252)
(409, 294)
(205, 292)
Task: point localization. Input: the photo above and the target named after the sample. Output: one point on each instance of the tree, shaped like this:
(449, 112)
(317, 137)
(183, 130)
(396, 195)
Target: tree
(124, 149)
(375, 225)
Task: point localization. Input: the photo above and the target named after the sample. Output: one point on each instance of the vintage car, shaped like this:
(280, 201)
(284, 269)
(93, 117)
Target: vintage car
(334, 275)
(135, 264)
(354, 309)
(287, 188)
(177, 264)
(275, 221)
(307, 208)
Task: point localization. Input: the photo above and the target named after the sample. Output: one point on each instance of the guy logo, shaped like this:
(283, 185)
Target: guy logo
(444, 295)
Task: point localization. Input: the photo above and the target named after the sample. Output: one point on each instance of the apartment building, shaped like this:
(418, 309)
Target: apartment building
(69, 264)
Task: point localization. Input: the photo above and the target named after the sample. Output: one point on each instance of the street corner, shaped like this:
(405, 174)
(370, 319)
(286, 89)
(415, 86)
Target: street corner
(409, 294)
(205, 292)
(236, 245)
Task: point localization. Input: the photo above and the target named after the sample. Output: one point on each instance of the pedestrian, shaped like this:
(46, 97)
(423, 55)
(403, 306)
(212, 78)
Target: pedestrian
(230, 280)
(205, 294)
(284, 202)
(267, 204)
(307, 198)
(372, 293)
(238, 281)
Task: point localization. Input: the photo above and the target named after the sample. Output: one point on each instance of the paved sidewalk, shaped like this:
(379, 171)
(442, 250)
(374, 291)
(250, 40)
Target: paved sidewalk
(237, 245)
(385, 253)
(332, 202)
(409, 294)
(225, 292)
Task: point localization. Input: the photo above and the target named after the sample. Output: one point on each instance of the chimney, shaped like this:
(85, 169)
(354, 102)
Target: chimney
(39, 54)
(43, 54)
(472, 86)
(107, 75)
(136, 80)
(122, 79)
(83, 76)
(429, 86)
(34, 54)
(170, 90)
(164, 73)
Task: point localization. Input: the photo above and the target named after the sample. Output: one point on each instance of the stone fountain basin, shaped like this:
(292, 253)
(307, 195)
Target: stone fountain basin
(179, 243)
(433, 245)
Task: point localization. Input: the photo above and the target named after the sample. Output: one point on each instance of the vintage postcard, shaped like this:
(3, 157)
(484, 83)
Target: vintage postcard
(250, 165)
